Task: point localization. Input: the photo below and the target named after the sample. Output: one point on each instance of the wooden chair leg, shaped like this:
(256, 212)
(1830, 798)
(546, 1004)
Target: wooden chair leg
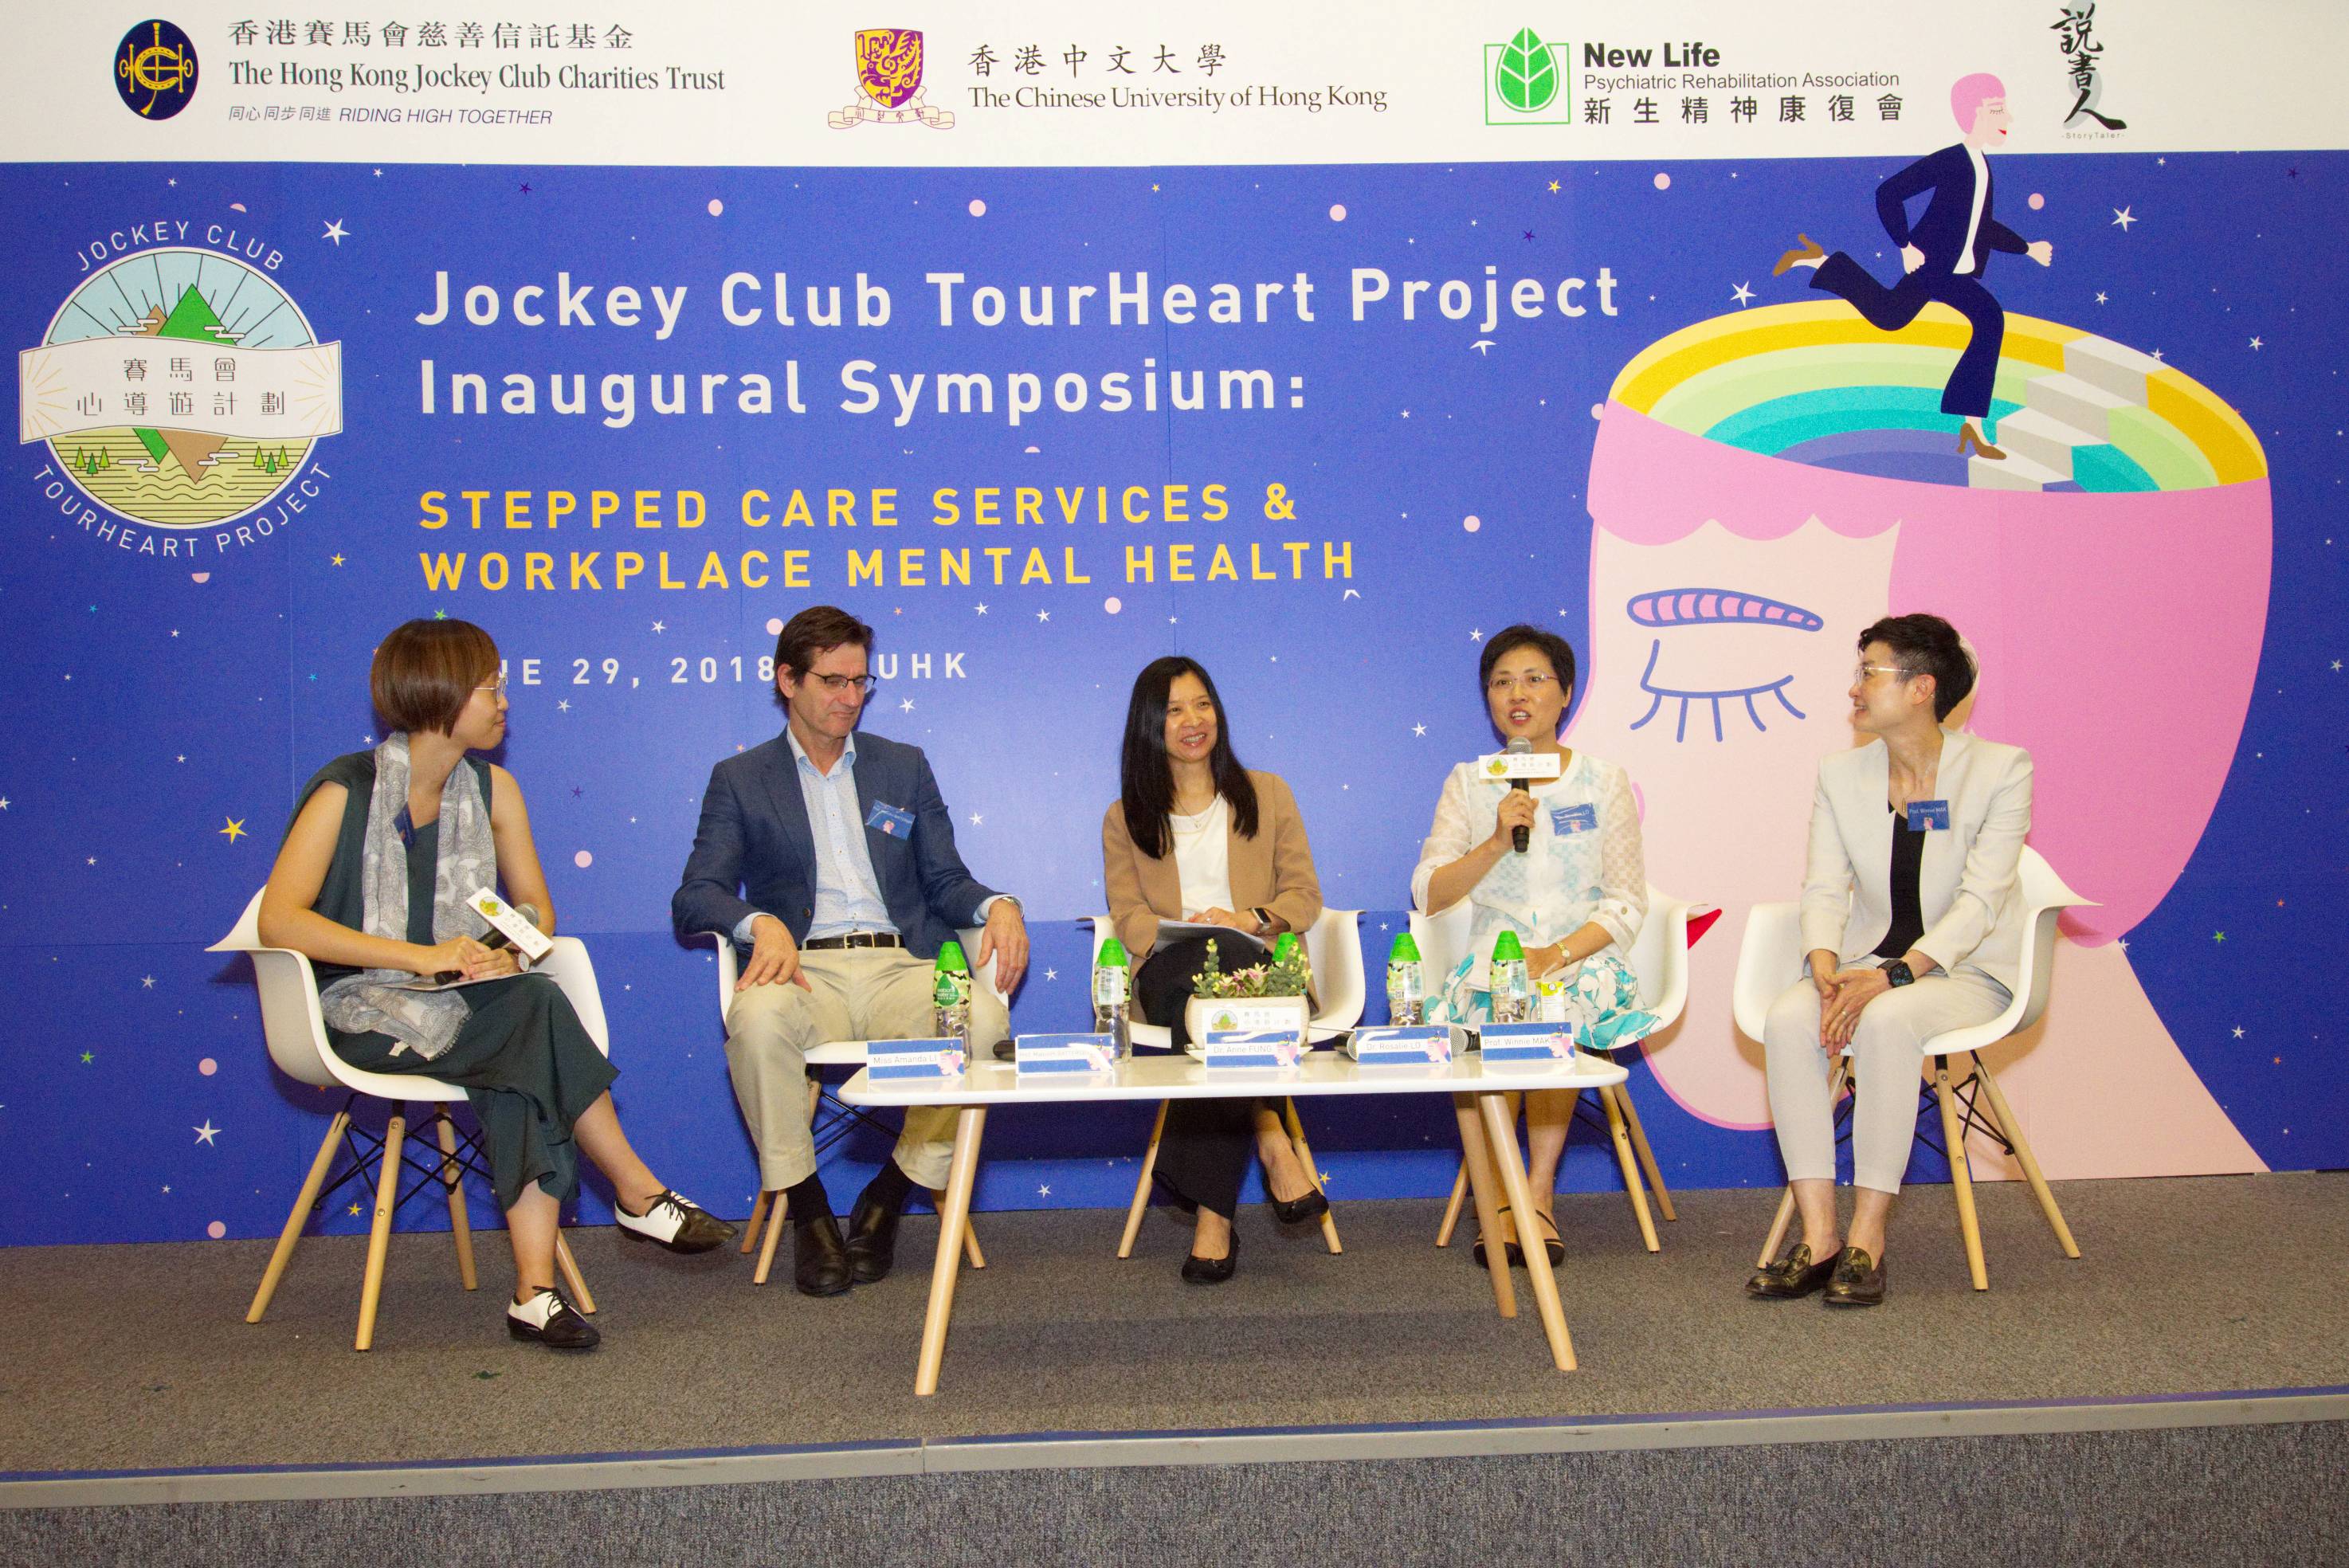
(1485, 1188)
(460, 1224)
(1141, 1203)
(774, 1233)
(2012, 1129)
(1953, 1137)
(1787, 1204)
(297, 1220)
(1312, 1171)
(387, 1198)
(1452, 1210)
(1624, 1157)
(970, 1252)
(750, 1231)
(1647, 1155)
(581, 1296)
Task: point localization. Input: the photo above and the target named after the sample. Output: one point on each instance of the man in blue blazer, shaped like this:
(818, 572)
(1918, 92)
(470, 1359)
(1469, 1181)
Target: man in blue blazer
(1943, 255)
(830, 857)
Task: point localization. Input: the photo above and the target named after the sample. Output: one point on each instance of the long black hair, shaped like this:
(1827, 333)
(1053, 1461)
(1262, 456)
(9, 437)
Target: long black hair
(1145, 782)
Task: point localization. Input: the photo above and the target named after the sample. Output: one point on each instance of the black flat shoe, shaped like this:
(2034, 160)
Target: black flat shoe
(1516, 1255)
(1857, 1280)
(549, 1319)
(872, 1238)
(1295, 1211)
(1197, 1269)
(1791, 1277)
(1552, 1247)
(819, 1259)
(680, 1225)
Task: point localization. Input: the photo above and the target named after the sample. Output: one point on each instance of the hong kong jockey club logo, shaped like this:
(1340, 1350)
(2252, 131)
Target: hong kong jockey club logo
(180, 388)
(889, 83)
(155, 70)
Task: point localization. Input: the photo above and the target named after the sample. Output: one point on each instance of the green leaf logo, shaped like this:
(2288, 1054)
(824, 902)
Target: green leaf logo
(1526, 77)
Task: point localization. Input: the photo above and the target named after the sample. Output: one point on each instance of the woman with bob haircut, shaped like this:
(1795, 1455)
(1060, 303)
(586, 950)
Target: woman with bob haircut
(371, 881)
(1575, 896)
(1194, 836)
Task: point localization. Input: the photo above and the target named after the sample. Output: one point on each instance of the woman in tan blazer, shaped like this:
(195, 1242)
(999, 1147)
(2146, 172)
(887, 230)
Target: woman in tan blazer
(1194, 836)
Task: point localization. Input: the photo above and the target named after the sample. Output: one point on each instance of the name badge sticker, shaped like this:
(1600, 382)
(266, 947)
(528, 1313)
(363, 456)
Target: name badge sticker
(897, 823)
(1928, 815)
(1567, 820)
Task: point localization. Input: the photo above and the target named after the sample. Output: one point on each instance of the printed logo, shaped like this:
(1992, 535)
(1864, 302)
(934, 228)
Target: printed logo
(180, 388)
(2084, 63)
(155, 70)
(1525, 82)
(889, 83)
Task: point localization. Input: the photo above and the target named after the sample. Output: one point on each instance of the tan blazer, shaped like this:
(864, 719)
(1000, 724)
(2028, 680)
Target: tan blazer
(1272, 871)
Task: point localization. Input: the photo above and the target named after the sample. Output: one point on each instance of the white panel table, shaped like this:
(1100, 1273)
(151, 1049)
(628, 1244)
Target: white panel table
(1486, 1137)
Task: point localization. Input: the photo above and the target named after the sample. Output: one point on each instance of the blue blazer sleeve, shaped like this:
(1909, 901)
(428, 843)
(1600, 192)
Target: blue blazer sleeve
(948, 890)
(709, 898)
(1892, 196)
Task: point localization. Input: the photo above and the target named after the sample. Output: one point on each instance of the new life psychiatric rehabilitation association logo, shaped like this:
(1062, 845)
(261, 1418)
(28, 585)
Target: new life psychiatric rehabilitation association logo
(183, 389)
(155, 70)
(1525, 82)
(889, 83)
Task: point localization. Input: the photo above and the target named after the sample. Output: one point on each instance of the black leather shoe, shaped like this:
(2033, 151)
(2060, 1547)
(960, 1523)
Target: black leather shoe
(549, 1319)
(819, 1260)
(680, 1225)
(872, 1238)
(1858, 1280)
(1791, 1277)
(1297, 1211)
(1197, 1269)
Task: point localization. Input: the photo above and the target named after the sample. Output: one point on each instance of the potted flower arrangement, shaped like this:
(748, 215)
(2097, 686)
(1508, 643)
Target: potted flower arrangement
(1274, 993)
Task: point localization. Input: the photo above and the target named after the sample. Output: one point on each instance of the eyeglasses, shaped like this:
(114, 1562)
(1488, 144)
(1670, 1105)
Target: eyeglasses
(497, 686)
(861, 685)
(1532, 682)
(1860, 672)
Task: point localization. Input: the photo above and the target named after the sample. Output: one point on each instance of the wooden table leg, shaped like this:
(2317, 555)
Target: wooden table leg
(1501, 1134)
(969, 1124)
(1477, 1161)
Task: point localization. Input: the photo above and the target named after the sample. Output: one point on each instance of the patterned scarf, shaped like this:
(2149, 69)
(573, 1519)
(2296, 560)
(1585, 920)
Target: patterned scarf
(373, 1000)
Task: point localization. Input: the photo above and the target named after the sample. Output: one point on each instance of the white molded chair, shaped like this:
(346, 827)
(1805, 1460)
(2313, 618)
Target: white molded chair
(1770, 959)
(296, 1032)
(1659, 959)
(770, 1206)
(1333, 949)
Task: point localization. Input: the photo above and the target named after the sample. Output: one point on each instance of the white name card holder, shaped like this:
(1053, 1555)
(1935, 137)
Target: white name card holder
(1047, 1056)
(1528, 1045)
(1246, 1050)
(916, 1060)
(1404, 1046)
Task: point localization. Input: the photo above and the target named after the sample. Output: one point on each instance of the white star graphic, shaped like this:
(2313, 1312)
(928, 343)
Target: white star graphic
(336, 232)
(184, 756)
(1051, 975)
(2122, 944)
(91, 861)
(563, 705)
(167, 1187)
(1043, 614)
(1406, 413)
(1044, 1191)
(2255, 342)
(1418, 729)
(2123, 217)
(147, 981)
(982, 609)
(1477, 636)
(207, 1132)
(2239, 1031)
(906, 706)
(3, 799)
(1741, 294)
(660, 626)
(2100, 296)
(2156, 354)
(4, 805)
(975, 819)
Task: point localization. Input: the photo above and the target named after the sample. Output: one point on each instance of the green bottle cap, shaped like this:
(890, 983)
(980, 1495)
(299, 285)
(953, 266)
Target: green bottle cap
(1112, 954)
(1404, 951)
(1508, 950)
(1284, 945)
(951, 961)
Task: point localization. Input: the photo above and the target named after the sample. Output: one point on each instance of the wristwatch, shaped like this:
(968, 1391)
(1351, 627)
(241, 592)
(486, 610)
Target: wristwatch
(1263, 919)
(1898, 973)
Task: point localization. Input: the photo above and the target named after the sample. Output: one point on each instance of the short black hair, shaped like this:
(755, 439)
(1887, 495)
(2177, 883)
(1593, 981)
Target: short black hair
(1927, 645)
(1555, 648)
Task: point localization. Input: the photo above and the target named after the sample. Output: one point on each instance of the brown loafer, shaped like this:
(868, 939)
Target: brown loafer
(1857, 1280)
(1791, 1277)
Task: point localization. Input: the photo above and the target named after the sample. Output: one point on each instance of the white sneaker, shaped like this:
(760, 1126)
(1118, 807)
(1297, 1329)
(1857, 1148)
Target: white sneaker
(677, 1223)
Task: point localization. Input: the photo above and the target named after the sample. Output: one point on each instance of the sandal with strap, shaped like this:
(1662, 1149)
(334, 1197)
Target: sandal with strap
(1517, 1254)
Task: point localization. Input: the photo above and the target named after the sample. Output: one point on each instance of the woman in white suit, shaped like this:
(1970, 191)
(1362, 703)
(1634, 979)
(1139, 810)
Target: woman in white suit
(1912, 924)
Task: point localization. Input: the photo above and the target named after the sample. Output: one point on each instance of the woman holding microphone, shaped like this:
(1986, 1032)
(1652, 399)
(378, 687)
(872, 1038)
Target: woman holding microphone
(1574, 894)
(371, 883)
(1194, 836)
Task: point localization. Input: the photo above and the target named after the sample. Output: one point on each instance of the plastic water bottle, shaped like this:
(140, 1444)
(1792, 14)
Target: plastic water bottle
(1406, 985)
(950, 994)
(1506, 981)
(1113, 994)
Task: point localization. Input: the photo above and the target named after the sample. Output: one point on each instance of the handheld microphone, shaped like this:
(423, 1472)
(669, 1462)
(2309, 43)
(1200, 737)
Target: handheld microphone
(1521, 835)
(494, 941)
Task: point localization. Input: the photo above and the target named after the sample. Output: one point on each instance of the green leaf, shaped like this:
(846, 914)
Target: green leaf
(1526, 77)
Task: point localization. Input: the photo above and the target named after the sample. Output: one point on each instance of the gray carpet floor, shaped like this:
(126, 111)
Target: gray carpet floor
(137, 1358)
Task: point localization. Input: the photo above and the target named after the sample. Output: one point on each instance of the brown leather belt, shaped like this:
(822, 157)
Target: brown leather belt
(854, 939)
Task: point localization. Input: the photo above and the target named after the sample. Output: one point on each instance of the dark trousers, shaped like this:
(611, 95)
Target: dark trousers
(1205, 1149)
(1890, 309)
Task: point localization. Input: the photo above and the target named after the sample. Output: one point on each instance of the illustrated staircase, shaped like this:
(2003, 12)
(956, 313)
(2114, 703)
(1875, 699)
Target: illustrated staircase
(2063, 412)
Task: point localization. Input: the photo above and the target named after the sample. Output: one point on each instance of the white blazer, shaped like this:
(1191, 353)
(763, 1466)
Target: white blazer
(1968, 888)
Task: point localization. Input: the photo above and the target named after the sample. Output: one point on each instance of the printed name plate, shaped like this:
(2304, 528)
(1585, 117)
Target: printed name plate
(1048, 1055)
(887, 1060)
(1252, 1048)
(1533, 1042)
(1399, 1045)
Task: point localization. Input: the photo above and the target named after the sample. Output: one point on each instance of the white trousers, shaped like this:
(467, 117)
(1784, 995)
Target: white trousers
(1888, 1051)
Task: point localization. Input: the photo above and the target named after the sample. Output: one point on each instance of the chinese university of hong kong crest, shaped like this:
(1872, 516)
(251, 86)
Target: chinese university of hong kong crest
(889, 82)
(179, 388)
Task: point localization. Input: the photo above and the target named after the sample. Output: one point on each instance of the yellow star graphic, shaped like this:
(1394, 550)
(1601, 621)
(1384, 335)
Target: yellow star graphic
(355, 1208)
(338, 561)
(235, 828)
(1553, 185)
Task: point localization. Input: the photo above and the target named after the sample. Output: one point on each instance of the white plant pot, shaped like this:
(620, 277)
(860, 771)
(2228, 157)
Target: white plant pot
(1200, 1015)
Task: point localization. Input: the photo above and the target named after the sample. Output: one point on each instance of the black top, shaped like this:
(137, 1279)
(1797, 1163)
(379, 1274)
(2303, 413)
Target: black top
(341, 897)
(1907, 917)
